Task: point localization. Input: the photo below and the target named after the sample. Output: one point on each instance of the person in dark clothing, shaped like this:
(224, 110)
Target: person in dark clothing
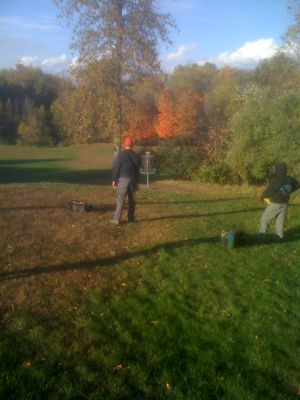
(277, 195)
(125, 175)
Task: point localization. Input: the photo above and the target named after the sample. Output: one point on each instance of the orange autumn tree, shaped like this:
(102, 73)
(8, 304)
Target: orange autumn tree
(141, 123)
(167, 123)
(189, 111)
(179, 117)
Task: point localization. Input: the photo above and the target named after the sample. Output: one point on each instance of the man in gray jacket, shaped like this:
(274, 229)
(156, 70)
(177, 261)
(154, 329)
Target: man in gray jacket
(125, 175)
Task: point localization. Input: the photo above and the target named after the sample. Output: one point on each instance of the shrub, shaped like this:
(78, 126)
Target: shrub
(176, 162)
(219, 172)
(265, 130)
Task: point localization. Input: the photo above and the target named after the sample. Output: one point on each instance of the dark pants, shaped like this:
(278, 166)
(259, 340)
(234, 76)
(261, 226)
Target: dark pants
(125, 188)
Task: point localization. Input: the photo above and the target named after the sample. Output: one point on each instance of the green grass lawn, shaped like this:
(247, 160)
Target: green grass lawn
(82, 165)
(153, 310)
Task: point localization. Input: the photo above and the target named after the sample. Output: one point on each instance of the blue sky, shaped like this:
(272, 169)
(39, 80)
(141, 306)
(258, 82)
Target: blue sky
(227, 32)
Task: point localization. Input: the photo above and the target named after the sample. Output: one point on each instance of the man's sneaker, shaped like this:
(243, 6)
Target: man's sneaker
(114, 221)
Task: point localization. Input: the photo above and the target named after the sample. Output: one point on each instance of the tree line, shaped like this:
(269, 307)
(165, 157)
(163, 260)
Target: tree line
(26, 97)
(229, 115)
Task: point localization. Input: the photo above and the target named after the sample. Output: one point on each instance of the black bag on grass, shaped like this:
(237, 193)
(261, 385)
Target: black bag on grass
(79, 206)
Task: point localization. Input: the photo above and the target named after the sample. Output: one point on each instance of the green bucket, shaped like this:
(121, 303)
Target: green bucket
(229, 239)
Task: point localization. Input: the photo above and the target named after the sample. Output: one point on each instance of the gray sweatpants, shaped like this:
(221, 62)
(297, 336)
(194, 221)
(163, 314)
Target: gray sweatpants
(277, 211)
(125, 188)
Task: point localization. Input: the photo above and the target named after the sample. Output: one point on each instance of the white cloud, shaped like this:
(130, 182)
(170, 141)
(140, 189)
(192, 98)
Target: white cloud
(181, 53)
(74, 63)
(54, 62)
(59, 64)
(246, 56)
(29, 61)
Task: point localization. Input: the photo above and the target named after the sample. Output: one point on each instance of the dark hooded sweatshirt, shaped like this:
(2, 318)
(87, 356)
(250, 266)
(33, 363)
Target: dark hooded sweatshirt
(127, 165)
(280, 186)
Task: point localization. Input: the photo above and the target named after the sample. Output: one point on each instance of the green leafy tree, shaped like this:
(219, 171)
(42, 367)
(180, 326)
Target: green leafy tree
(222, 101)
(265, 130)
(28, 129)
(198, 78)
(216, 146)
(68, 114)
(63, 117)
(22, 91)
(292, 36)
(10, 121)
(279, 73)
(46, 135)
(85, 107)
(34, 129)
(124, 35)
(3, 121)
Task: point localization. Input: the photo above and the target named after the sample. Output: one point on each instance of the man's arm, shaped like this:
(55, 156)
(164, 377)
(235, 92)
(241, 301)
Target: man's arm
(270, 190)
(295, 185)
(138, 163)
(116, 171)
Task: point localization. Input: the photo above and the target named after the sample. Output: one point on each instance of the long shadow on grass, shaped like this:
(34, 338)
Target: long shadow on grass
(198, 215)
(28, 161)
(108, 261)
(110, 207)
(29, 208)
(37, 175)
(291, 236)
(193, 201)
(96, 208)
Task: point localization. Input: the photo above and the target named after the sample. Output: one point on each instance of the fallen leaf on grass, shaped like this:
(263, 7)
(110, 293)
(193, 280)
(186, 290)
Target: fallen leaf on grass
(204, 267)
(168, 386)
(153, 322)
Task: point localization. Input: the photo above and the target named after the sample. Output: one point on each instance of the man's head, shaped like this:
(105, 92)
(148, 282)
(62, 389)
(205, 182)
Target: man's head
(280, 169)
(128, 143)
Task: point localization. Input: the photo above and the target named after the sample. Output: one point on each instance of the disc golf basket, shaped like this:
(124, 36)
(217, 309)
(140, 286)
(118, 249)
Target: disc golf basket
(147, 167)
